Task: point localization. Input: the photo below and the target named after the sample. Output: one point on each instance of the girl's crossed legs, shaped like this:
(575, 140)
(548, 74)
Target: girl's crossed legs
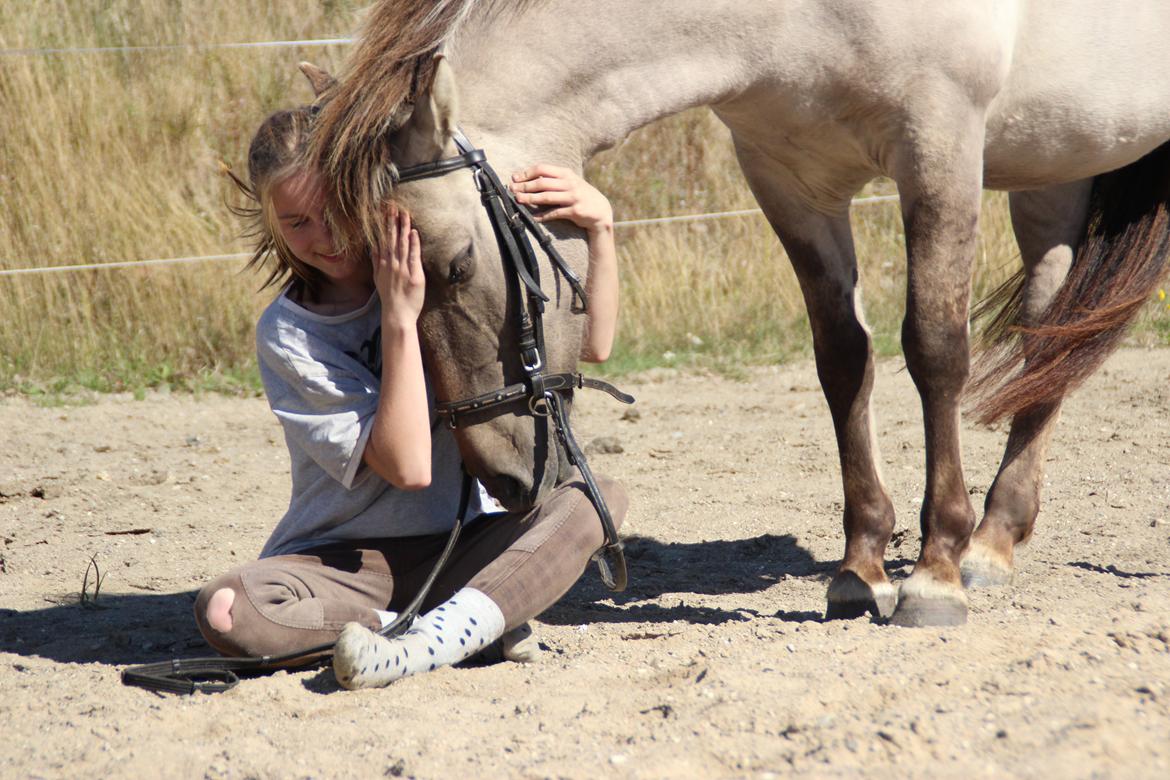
(521, 563)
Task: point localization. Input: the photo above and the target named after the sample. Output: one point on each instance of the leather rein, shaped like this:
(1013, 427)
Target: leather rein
(544, 393)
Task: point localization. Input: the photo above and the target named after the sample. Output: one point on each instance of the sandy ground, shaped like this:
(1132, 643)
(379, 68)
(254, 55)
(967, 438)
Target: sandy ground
(714, 663)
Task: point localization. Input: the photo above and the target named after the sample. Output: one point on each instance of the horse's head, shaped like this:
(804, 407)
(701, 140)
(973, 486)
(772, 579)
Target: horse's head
(468, 326)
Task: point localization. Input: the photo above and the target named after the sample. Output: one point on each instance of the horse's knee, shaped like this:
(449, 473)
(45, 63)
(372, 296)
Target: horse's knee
(937, 353)
(845, 368)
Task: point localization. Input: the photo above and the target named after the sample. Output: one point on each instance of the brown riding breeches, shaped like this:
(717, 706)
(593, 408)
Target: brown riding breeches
(524, 563)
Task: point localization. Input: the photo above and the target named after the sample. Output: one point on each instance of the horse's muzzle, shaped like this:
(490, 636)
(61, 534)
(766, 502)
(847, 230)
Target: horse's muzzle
(519, 494)
(515, 495)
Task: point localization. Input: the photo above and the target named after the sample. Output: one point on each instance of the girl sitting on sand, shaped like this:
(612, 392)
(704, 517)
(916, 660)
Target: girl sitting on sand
(376, 482)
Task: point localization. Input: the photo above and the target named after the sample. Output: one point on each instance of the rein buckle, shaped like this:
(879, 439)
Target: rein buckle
(611, 559)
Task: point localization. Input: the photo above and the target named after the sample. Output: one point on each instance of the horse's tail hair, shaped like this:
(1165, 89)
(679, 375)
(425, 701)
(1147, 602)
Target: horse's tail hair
(1121, 259)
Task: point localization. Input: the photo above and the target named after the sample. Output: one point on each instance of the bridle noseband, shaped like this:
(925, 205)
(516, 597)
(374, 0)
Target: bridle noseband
(543, 392)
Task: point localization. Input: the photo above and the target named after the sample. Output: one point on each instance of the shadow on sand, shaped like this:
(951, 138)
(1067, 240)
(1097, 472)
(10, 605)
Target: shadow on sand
(123, 628)
(706, 568)
(133, 628)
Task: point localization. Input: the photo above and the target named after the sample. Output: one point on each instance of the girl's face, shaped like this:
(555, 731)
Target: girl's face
(299, 205)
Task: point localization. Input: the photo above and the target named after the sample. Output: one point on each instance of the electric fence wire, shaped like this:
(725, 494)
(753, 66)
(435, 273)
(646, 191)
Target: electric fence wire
(241, 255)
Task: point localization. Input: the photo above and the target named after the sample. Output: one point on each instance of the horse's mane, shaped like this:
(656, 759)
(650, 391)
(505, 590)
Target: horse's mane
(392, 61)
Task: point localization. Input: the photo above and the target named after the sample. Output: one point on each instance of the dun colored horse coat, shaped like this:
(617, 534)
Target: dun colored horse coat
(1065, 104)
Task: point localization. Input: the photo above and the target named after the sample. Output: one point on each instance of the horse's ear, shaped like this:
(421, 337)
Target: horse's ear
(428, 132)
(444, 101)
(318, 78)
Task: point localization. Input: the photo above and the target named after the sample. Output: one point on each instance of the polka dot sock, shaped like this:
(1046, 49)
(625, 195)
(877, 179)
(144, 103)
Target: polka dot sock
(449, 633)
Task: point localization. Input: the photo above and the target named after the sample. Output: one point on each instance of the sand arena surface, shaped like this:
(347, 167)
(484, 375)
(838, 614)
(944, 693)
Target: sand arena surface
(714, 663)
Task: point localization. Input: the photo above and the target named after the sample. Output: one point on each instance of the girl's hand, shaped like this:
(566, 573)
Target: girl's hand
(398, 271)
(558, 193)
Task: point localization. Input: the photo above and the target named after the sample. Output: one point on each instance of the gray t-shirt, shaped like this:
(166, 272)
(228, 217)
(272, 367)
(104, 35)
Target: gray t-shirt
(322, 377)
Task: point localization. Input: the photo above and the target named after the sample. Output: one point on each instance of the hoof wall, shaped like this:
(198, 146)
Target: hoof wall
(847, 610)
(919, 612)
(980, 572)
(851, 597)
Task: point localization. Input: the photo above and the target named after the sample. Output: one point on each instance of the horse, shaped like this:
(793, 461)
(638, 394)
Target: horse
(1063, 105)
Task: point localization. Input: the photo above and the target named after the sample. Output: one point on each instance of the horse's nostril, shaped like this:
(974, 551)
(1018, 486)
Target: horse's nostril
(507, 490)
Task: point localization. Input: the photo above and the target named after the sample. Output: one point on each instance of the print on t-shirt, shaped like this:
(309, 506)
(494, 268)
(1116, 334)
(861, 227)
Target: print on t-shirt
(370, 352)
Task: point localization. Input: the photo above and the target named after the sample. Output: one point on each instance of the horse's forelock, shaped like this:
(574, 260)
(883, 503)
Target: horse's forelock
(394, 57)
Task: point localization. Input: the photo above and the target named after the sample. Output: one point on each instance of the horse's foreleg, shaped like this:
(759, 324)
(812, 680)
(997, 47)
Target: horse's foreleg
(826, 268)
(1048, 224)
(940, 179)
(821, 250)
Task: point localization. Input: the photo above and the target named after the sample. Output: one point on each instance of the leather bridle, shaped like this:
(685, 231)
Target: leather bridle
(544, 393)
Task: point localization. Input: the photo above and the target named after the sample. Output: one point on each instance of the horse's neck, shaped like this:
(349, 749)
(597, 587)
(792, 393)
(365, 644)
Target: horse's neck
(575, 77)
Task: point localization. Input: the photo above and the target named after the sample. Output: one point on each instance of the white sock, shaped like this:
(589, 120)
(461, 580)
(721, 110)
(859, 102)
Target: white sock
(449, 633)
(386, 616)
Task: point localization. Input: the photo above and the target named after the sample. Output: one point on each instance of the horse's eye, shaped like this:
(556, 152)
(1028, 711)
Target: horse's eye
(462, 267)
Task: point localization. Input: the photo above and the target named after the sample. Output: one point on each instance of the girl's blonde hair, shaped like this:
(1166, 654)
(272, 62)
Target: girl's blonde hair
(275, 154)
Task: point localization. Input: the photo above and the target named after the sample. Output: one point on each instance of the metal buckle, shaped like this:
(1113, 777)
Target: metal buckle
(611, 566)
(530, 360)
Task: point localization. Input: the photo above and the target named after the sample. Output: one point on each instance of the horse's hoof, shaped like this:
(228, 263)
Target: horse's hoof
(924, 602)
(851, 597)
(982, 568)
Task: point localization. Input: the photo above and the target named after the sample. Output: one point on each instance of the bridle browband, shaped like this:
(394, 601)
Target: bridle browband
(545, 397)
(544, 392)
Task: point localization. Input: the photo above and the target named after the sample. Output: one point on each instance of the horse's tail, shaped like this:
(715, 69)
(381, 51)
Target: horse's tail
(1121, 259)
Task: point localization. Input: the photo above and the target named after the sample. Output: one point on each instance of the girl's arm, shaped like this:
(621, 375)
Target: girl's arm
(399, 446)
(561, 194)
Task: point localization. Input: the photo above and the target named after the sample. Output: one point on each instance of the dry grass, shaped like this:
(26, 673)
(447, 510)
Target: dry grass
(112, 156)
(115, 156)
